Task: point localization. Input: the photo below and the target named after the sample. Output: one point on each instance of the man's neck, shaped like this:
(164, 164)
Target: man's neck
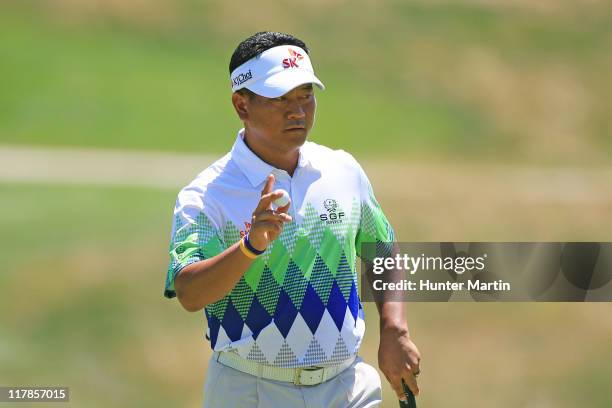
(280, 159)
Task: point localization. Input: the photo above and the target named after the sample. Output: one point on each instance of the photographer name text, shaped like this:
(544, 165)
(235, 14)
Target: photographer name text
(428, 285)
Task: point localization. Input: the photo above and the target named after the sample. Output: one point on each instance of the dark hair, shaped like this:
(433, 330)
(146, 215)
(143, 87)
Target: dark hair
(260, 42)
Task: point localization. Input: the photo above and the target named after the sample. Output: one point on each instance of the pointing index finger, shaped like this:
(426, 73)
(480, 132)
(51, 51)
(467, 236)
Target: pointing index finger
(268, 186)
(265, 202)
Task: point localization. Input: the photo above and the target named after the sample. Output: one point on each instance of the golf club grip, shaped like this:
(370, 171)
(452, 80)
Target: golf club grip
(410, 401)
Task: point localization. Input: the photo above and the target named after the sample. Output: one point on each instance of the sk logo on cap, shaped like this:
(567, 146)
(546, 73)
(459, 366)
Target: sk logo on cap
(275, 72)
(292, 61)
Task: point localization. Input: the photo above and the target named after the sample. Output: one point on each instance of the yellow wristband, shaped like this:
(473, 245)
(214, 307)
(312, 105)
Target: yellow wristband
(246, 250)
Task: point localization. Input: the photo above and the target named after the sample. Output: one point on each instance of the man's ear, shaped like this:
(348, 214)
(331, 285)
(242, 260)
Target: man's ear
(240, 103)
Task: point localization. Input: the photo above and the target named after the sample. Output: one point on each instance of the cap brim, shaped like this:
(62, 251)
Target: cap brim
(283, 82)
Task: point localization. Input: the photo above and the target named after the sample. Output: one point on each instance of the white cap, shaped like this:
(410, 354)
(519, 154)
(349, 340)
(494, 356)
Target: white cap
(275, 72)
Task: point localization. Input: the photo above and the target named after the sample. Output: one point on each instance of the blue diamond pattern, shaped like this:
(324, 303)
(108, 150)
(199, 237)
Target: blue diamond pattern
(353, 302)
(336, 305)
(285, 313)
(232, 322)
(213, 324)
(312, 308)
(257, 318)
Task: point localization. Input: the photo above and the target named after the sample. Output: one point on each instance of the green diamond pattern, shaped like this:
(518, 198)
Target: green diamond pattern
(368, 226)
(355, 217)
(374, 227)
(190, 242)
(313, 226)
(231, 234)
(217, 309)
(242, 297)
(287, 237)
(268, 292)
(253, 274)
(330, 251)
(345, 276)
(279, 259)
(304, 255)
(321, 279)
(339, 229)
(350, 251)
(211, 248)
(295, 284)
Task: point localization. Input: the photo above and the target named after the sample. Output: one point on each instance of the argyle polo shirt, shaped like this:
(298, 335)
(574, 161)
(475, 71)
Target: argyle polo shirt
(298, 303)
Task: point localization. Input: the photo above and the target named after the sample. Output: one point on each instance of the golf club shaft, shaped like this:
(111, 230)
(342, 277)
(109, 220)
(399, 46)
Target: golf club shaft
(410, 402)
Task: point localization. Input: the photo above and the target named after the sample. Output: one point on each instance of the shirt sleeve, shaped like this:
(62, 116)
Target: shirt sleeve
(374, 227)
(195, 235)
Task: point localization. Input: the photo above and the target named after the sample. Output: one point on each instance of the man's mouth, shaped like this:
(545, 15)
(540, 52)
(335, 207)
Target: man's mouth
(295, 127)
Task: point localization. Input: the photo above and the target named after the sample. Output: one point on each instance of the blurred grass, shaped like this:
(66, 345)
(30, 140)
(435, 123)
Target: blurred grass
(84, 279)
(113, 89)
(472, 80)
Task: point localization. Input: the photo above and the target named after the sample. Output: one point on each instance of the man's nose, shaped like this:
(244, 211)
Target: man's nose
(296, 110)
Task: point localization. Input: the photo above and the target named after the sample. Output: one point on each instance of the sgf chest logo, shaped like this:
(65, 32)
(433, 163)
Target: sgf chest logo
(333, 216)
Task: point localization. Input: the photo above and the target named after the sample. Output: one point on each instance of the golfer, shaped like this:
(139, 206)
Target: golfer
(277, 278)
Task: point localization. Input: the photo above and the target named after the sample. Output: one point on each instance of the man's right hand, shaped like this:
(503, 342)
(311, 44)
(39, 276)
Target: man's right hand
(267, 224)
(201, 283)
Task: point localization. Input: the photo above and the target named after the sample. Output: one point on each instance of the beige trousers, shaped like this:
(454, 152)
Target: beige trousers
(357, 387)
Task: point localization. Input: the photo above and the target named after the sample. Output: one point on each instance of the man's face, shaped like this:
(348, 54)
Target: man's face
(281, 123)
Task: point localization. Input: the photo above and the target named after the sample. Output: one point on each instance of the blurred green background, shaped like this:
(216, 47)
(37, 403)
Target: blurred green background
(482, 120)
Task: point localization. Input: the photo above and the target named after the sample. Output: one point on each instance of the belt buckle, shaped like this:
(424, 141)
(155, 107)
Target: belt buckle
(297, 377)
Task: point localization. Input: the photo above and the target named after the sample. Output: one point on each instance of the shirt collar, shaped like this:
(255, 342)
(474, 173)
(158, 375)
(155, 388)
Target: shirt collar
(255, 169)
